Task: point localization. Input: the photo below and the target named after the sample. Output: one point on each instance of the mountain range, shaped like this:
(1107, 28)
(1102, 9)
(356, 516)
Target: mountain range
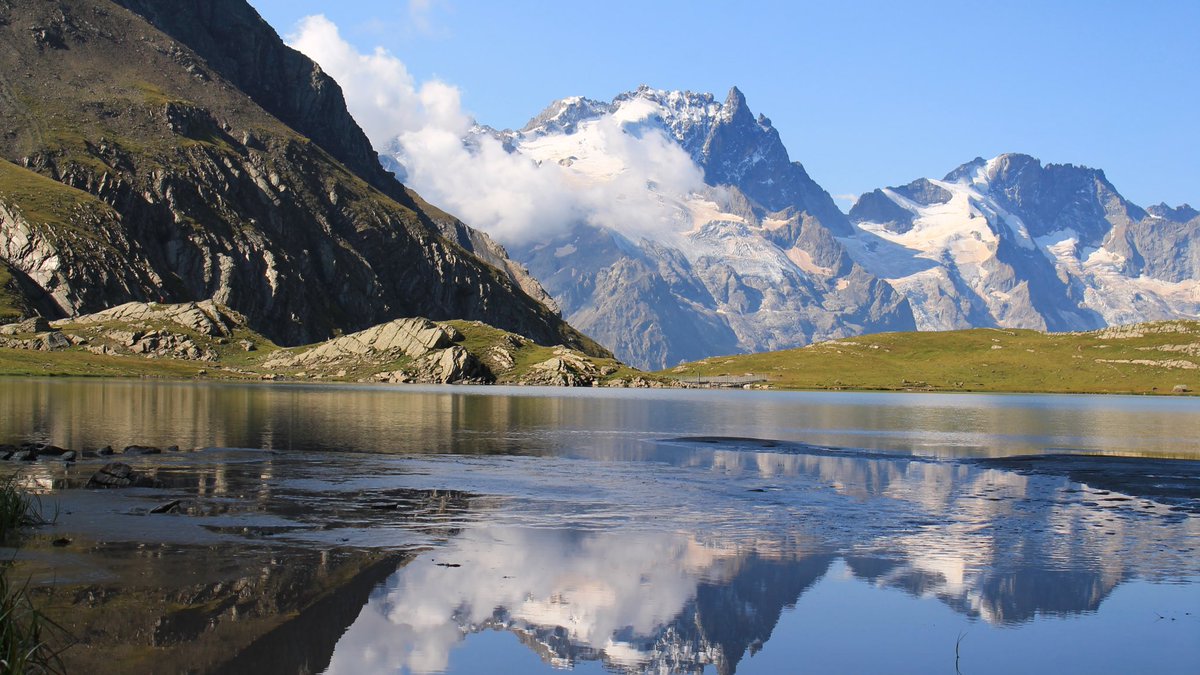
(758, 256)
(179, 151)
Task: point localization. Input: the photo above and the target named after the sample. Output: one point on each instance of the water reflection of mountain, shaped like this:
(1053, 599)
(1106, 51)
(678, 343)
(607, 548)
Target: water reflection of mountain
(637, 602)
(991, 543)
(999, 598)
(475, 420)
(739, 616)
(718, 627)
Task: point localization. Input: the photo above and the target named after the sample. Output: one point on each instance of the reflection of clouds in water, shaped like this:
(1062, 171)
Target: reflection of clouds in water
(593, 586)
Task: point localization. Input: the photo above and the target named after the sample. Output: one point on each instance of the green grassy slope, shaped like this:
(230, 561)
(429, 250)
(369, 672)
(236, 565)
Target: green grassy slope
(1147, 358)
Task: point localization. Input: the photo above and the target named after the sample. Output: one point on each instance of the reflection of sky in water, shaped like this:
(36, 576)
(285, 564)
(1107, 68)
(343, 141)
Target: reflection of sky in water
(701, 567)
(609, 547)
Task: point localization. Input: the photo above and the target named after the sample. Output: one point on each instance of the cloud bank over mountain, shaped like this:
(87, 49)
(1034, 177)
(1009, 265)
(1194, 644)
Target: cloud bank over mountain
(509, 195)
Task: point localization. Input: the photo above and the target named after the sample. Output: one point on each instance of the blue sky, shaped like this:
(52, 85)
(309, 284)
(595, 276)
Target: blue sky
(865, 94)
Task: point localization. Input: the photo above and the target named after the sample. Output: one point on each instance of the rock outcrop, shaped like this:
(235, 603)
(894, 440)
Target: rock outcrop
(410, 350)
(566, 369)
(415, 350)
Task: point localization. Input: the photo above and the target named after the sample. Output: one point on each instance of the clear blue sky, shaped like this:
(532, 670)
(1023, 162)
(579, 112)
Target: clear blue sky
(865, 94)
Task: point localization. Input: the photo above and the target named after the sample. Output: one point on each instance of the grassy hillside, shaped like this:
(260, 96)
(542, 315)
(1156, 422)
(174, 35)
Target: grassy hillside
(1146, 358)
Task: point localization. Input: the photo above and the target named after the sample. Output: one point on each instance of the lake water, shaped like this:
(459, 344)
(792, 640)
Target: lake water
(647, 531)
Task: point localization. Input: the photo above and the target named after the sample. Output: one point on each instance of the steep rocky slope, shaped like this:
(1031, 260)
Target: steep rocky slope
(203, 158)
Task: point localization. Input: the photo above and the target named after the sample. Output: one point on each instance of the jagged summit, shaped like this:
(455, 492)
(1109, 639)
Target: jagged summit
(563, 115)
(1012, 242)
(1180, 214)
(745, 258)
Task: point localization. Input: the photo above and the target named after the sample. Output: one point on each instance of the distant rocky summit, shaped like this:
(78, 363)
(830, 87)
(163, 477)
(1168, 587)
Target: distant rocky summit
(177, 151)
(758, 257)
(751, 262)
(1010, 242)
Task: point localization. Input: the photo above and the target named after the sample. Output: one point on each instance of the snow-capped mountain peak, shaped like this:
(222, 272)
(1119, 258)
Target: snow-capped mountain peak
(1011, 242)
(697, 235)
(673, 225)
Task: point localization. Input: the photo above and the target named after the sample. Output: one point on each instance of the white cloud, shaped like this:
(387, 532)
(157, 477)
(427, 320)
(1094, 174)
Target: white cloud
(847, 199)
(593, 586)
(419, 14)
(510, 196)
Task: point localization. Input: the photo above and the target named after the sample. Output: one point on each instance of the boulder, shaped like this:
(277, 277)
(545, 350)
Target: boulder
(118, 475)
(37, 324)
(452, 365)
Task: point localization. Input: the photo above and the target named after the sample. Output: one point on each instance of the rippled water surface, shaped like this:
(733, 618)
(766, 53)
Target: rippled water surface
(633, 531)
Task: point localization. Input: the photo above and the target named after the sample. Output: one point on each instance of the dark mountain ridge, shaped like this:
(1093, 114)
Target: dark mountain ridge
(213, 161)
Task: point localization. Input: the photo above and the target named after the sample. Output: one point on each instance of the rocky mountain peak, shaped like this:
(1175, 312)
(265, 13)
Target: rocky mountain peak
(1049, 197)
(1010, 241)
(965, 173)
(564, 115)
(1180, 214)
(735, 109)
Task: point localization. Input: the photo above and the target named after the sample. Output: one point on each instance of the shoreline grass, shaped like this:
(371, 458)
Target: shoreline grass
(24, 630)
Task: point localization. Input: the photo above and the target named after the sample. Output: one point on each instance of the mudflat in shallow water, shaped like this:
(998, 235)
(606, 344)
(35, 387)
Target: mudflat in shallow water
(483, 530)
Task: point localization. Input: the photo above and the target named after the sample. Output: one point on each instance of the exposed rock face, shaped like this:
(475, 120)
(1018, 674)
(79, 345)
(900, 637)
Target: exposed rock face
(750, 263)
(35, 325)
(174, 180)
(231, 39)
(453, 365)
(206, 317)
(1012, 242)
(486, 249)
(402, 337)
(565, 369)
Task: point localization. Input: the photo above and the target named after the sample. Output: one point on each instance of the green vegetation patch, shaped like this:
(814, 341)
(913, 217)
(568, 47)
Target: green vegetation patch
(12, 301)
(44, 201)
(1161, 357)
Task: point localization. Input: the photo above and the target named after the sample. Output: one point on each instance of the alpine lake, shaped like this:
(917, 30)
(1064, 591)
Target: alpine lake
(410, 529)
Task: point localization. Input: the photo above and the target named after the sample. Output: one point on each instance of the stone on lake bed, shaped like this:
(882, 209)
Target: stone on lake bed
(118, 475)
(141, 450)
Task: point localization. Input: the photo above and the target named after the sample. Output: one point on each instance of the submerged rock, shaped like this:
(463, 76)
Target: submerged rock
(118, 475)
